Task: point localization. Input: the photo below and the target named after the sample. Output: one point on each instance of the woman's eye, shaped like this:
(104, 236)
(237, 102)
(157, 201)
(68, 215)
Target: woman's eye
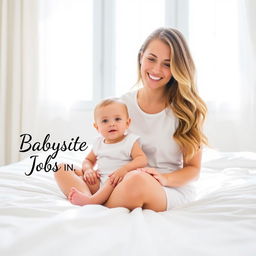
(167, 65)
(151, 59)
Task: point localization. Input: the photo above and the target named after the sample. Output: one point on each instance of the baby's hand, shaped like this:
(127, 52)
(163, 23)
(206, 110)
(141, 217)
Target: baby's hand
(117, 176)
(91, 176)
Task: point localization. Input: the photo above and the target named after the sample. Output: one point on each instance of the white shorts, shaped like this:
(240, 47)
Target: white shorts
(177, 197)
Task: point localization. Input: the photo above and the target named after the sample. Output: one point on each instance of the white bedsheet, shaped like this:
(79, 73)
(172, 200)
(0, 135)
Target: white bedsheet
(36, 219)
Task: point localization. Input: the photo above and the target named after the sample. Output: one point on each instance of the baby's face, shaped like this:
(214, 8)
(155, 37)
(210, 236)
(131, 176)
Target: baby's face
(111, 121)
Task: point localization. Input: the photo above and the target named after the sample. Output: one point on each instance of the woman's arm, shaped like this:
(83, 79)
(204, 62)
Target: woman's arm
(190, 171)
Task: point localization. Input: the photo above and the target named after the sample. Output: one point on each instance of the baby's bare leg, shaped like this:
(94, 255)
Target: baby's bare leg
(93, 188)
(68, 179)
(100, 197)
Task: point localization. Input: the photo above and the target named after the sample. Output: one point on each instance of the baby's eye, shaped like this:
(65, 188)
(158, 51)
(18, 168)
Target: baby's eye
(118, 119)
(104, 121)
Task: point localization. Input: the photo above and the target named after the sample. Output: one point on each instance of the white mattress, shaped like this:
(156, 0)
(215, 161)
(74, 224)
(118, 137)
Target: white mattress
(36, 219)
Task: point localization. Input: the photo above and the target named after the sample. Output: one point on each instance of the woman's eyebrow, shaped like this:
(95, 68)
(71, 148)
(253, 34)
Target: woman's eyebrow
(156, 56)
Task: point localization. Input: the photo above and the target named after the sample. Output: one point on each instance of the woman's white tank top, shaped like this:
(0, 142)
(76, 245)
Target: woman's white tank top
(156, 135)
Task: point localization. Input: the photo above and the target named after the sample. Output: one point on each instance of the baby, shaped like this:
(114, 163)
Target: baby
(115, 154)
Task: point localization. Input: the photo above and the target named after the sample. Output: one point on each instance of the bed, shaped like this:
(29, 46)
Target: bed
(36, 219)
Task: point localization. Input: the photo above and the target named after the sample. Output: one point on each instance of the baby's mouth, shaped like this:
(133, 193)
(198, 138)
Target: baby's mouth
(112, 130)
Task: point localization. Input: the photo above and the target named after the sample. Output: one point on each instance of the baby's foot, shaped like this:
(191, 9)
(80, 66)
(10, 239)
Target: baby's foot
(78, 198)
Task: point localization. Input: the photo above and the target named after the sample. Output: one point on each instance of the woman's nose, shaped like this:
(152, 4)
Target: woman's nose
(156, 69)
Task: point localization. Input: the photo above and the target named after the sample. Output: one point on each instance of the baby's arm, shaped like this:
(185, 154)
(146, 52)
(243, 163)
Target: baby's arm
(89, 174)
(139, 160)
(89, 162)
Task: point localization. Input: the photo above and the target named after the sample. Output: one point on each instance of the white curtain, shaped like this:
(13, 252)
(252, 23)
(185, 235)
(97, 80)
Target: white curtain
(248, 72)
(30, 100)
(243, 129)
(18, 74)
(225, 51)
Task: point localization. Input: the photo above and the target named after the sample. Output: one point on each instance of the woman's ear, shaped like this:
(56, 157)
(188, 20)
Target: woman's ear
(141, 55)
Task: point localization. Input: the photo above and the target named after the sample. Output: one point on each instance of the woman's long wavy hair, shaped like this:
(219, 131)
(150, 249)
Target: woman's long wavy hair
(181, 91)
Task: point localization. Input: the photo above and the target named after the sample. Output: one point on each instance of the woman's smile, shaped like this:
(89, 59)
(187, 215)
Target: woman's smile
(154, 78)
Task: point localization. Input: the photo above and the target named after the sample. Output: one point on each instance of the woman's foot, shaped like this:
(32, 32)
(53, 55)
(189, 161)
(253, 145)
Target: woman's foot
(78, 198)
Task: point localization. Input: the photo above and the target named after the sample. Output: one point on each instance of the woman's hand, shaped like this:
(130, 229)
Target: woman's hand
(91, 176)
(158, 176)
(117, 176)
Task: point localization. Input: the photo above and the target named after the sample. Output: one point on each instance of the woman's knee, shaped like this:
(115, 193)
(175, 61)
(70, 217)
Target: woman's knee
(134, 175)
(133, 183)
(59, 170)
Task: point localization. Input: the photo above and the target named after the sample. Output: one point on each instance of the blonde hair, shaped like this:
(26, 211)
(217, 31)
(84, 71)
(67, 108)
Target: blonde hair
(110, 101)
(181, 91)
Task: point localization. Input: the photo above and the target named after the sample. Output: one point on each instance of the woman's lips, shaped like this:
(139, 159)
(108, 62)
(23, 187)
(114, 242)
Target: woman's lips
(154, 78)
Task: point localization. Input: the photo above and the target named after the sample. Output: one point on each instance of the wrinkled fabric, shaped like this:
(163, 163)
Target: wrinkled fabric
(36, 218)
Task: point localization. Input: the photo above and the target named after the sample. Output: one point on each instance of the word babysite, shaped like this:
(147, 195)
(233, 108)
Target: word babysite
(26, 145)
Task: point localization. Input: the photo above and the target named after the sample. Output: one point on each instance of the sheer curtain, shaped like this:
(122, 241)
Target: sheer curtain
(18, 74)
(40, 77)
(244, 122)
(247, 21)
(222, 39)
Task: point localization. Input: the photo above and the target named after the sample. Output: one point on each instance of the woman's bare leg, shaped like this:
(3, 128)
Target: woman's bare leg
(68, 179)
(138, 189)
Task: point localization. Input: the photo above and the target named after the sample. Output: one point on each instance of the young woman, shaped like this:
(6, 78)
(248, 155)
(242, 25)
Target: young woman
(168, 115)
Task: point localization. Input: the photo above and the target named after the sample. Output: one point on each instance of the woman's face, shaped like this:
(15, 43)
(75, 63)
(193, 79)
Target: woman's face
(155, 65)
